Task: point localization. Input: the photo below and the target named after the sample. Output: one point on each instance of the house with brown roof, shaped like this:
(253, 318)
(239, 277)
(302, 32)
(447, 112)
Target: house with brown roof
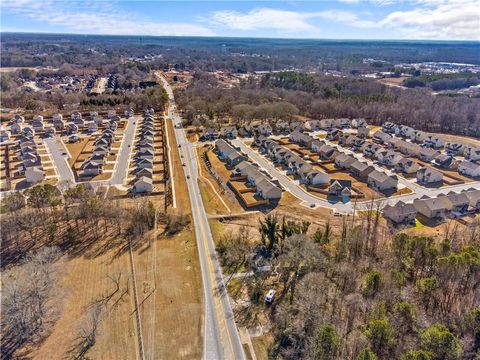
(360, 169)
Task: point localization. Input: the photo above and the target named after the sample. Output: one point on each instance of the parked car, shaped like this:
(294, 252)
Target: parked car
(270, 296)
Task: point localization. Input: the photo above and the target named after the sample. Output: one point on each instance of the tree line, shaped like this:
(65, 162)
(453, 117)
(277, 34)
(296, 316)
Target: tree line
(359, 293)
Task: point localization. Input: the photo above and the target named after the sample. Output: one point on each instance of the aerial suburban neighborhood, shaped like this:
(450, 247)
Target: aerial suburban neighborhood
(240, 180)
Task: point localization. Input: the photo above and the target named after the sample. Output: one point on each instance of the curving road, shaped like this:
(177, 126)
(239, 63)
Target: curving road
(221, 338)
(308, 199)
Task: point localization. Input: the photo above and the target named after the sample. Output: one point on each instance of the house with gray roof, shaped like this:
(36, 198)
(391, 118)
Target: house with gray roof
(381, 181)
(472, 153)
(428, 154)
(400, 213)
(432, 208)
(429, 176)
(469, 168)
(407, 166)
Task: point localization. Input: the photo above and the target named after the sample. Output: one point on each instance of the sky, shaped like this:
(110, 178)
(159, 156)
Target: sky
(339, 19)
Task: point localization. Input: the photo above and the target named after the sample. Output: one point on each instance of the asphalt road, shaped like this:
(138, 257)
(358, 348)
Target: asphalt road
(308, 199)
(221, 338)
(56, 149)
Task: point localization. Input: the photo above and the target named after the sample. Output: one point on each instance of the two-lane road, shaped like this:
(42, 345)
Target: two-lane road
(221, 338)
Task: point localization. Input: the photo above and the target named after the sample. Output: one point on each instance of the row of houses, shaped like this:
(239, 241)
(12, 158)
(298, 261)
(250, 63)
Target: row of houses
(282, 127)
(144, 156)
(264, 187)
(93, 166)
(228, 153)
(31, 165)
(294, 164)
(435, 208)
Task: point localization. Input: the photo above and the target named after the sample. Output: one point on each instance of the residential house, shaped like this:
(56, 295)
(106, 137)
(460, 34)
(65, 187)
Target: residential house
(146, 154)
(316, 145)
(408, 148)
(92, 127)
(428, 176)
(469, 168)
(371, 149)
(75, 115)
(313, 125)
(389, 127)
(457, 203)
(404, 131)
(358, 143)
(317, 178)
(246, 131)
(297, 126)
(432, 208)
(445, 161)
(333, 134)
(37, 123)
(472, 153)
(16, 128)
(381, 137)
(92, 168)
(340, 188)
(209, 134)
(267, 190)
(264, 129)
(433, 142)
(4, 135)
(144, 184)
(407, 166)
(358, 123)
(258, 140)
(144, 172)
(34, 174)
(144, 163)
(400, 213)
(381, 181)
(326, 124)
(428, 154)
(235, 158)
(229, 132)
(346, 140)
(342, 123)
(391, 158)
(453, 148)
(282, 127)
(328, 152)
(28, 131)
(223, 148)
(343, 161)
(418, 136)
(71, 128)
(363, 132)
(360, 169)
(474, 198)
(301, 138)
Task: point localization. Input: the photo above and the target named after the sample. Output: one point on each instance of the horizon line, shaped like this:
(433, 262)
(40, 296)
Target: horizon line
(236, 37)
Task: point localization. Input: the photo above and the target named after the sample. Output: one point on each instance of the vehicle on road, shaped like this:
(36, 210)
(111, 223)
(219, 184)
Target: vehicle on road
(188, 176)
(64, 153)
(270, 296)
(183, 164)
